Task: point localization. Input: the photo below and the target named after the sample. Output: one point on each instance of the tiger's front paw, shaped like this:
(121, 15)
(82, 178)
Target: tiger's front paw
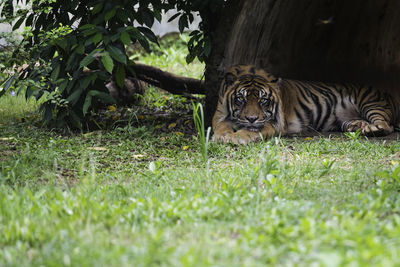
(354, 125)
(381, 128)
(242, 137)
(219, 138)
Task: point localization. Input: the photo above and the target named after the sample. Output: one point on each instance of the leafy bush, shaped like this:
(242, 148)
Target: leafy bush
(8, 58)
(76, 46)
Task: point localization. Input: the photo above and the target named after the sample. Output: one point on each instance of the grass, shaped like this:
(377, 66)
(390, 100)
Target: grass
(138, 196)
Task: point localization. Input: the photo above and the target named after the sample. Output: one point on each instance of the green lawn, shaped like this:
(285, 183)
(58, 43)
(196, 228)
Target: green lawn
(142, 196)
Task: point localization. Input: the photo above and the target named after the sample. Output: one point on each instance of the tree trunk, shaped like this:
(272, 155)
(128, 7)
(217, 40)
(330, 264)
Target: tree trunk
(324, 40)
(219, 27)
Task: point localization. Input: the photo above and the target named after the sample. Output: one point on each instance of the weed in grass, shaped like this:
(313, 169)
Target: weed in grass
(353, 135)
(198, 117)
(393, 174)
(327, 166)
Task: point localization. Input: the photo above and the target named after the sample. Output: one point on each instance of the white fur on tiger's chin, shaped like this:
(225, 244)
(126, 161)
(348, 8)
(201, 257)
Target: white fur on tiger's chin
(252, 129)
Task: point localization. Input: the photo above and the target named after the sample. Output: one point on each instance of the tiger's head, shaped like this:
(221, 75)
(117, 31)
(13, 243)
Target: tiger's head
(252, 98)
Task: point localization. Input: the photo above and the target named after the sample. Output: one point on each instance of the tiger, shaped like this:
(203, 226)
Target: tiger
(253, 104)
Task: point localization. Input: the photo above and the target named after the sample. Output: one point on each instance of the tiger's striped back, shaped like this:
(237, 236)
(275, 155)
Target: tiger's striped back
(325, 107)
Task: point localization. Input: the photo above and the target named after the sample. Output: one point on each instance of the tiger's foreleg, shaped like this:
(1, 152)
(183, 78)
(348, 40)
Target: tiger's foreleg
(223, 132)
(221, 127)
(243, 136)
(269, 130)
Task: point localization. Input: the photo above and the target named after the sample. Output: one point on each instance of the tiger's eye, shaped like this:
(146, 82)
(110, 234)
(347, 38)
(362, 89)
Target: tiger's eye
(264, 101)
(239, 100)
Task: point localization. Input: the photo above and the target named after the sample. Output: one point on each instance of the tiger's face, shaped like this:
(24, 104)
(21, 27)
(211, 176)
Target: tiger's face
(252, 99)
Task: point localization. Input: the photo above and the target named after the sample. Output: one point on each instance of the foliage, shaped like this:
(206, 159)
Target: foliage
(10, 58)
(170, 55)
(76, 46)
(200, 43)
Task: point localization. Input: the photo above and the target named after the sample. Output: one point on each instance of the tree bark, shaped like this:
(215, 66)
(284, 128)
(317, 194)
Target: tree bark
(325, 40)
(168, 81)
(219, 28)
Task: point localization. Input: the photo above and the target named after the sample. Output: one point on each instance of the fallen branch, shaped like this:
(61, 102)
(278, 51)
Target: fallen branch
(168, 81)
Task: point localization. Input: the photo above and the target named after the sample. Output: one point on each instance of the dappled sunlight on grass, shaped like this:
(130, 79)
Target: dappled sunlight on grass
(16, 108)
(171, 57)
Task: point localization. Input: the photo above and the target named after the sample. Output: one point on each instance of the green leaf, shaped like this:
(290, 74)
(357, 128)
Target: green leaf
(98, 94)
(8, 9)
(80, 49)
(116, 54)
(18, 23)
(87, 103)
(63, 43)
(75, 119)
(71, 62)
(107, 98)
(120, 76)
(207, 47)
(74, 97)
(29, 20)
(97, 8)
(189, 58)
(148, 17)
(123, 16)
(86, 27)
(89, 58)
(183, 23)
(125, 38)
(191, 18)
(145, 44)
(174, 17)
(48, 112)
(63, 85)
(149, 34)
(55, 73)
(7, 85)
(30, 91)
(88, 42)
(110, 14)
(157, 15)
(107, 61)
(97, 38)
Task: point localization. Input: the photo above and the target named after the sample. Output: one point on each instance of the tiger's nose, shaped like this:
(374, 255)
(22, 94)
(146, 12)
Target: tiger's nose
(251, 119)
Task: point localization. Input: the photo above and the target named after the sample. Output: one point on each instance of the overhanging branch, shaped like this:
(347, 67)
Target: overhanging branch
(167, 81)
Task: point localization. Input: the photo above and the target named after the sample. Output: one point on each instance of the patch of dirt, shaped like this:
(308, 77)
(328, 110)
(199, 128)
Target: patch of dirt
(7, 148)
(66, 178)
(168, 119)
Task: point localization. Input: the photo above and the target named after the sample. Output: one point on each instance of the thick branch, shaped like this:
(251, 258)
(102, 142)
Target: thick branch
(168, 81)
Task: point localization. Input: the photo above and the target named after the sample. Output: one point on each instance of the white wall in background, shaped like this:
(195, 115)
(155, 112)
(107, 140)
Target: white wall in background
(165, 27)
(159, 29)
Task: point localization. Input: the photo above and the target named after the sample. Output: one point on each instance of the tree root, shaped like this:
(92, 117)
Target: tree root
(167, 81)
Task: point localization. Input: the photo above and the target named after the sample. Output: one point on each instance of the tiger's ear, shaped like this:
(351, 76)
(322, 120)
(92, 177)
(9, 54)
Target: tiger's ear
(273, 79)
(229, 78)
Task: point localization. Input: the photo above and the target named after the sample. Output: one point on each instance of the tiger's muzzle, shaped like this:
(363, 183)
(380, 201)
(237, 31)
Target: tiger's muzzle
(254, 126)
